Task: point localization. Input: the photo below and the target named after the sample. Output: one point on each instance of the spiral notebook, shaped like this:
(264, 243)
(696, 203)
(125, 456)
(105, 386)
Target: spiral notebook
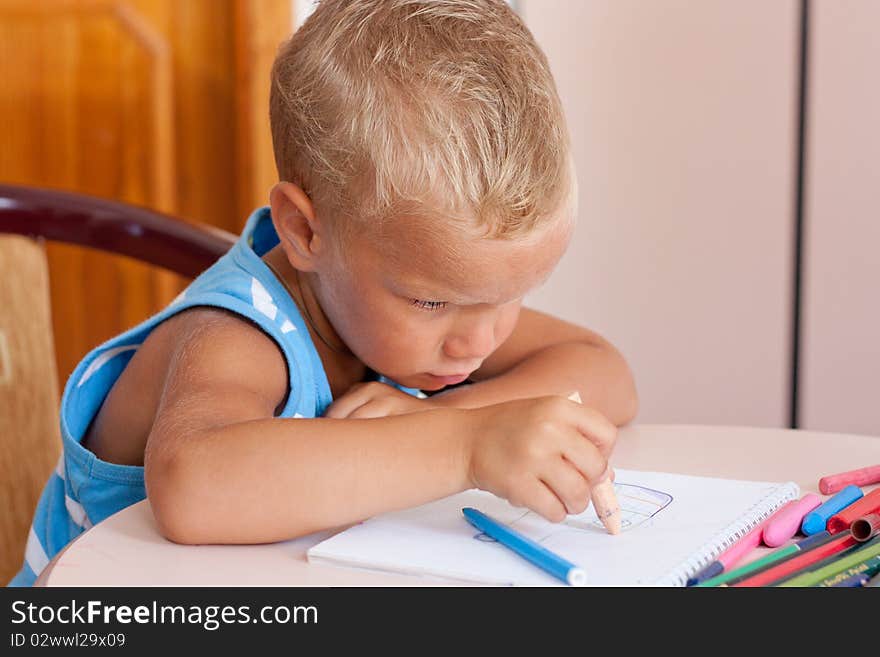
(673, 526)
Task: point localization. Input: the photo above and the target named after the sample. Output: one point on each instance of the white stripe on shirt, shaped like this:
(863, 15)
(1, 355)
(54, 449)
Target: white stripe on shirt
(34, 553)
(77, 512)
(99, 362)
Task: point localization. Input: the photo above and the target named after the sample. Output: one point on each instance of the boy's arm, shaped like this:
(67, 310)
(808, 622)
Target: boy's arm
(548, 356)
(219, 468)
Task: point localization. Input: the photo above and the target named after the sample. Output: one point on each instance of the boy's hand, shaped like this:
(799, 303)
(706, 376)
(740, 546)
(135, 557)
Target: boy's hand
(375, 399)
(541, 453)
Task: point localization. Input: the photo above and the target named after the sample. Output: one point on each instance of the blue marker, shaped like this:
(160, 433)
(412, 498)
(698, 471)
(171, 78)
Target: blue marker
(815, 520)
(527, 548)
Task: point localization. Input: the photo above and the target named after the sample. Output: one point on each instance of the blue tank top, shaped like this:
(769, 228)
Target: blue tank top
(83, 489)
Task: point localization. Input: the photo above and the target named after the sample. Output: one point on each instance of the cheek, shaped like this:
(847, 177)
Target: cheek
(409, 335)
(506, 323)
(412, 340)
(352, 309)
(377, 323)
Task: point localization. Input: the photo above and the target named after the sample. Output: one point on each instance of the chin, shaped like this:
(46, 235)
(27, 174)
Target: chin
(419, 382)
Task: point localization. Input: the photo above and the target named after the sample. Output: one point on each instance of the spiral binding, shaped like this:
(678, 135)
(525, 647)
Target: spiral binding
(751, 518)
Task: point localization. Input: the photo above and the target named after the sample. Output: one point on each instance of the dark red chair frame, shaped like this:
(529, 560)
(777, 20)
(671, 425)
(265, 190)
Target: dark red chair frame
(158, 239)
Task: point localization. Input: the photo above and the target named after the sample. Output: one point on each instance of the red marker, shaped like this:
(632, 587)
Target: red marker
(870, 503)
(865, 527)
(861, 477)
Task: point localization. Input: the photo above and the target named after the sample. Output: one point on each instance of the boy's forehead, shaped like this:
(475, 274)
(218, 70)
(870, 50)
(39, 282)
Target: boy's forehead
(466, 267)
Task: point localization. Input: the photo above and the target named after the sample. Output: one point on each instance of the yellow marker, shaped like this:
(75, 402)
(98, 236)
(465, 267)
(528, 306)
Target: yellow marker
(604, 500)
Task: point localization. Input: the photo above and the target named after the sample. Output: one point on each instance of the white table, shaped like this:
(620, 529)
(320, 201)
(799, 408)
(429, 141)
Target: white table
(126, 549)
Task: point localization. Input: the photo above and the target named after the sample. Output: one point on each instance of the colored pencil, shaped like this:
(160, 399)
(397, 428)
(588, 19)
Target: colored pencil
(851, 582)
(738, 550)
(773, 559)
(831, 560)
(786, 553)
(857, 575)
(602, 495)
(839, 543)
(864, 555)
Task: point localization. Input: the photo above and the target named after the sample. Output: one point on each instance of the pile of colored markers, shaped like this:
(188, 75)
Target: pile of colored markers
(841, 548)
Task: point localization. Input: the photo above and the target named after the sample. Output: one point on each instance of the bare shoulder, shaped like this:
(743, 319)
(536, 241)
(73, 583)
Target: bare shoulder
(203, 365)
(214, 354)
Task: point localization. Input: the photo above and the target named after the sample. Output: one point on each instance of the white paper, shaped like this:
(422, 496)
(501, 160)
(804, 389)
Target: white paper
(673, 525)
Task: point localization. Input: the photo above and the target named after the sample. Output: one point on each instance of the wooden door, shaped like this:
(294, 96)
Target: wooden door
(153, 102)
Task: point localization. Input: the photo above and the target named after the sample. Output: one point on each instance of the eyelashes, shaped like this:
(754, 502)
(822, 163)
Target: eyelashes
(428, 305)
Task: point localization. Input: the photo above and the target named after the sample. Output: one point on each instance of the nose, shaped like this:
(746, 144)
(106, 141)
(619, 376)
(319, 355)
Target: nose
(473, 339)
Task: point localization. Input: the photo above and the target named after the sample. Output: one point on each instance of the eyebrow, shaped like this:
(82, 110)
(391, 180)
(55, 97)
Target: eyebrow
(423, 288)
(424, 294)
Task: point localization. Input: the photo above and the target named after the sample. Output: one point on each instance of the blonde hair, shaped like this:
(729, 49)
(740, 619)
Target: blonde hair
(434, 108)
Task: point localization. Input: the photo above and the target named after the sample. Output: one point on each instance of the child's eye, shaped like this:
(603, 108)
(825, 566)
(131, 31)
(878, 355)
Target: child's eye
(428, 305)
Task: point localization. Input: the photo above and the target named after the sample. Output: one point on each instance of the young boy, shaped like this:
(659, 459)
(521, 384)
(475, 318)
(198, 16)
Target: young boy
(426, 187)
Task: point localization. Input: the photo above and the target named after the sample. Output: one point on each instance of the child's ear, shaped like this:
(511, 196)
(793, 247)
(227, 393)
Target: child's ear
(298, 228)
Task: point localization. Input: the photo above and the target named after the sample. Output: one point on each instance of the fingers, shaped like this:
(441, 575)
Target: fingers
(585, 457)
(555, 495)
(371, 409)
(594, 426)
(543, 453)
(538, 497)
(568, 484)
(358, 396)
(345, 405)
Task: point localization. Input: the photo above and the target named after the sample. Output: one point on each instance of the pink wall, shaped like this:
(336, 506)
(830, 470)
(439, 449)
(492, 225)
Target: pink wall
(841, 361)
(683, 117)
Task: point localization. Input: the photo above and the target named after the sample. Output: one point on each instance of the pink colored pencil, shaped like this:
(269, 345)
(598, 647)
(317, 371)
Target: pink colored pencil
(861, 477)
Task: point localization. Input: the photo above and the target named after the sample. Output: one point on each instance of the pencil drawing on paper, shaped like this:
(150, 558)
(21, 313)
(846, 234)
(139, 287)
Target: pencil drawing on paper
(638, 505)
